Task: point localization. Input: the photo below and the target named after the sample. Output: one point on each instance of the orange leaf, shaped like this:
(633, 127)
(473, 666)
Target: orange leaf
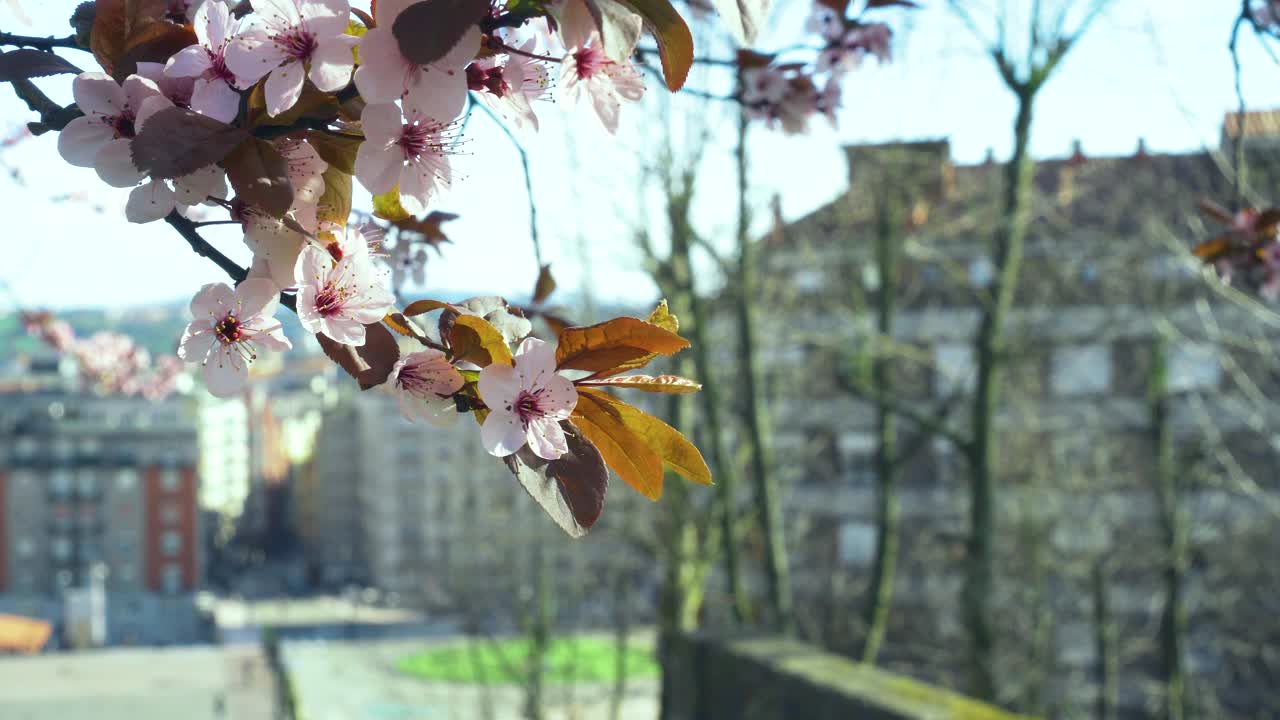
(662, 317)
(666, 384)
(623, 450)
(420, 307)
(615, 346)
(1211, 250)
(475, 340)
(677, 453)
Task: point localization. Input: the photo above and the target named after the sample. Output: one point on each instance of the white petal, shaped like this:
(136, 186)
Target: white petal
(214, 24)
(252, 55)
(461, 55)
(499, 385)
(546, 439)
(535, 362)
(326, 18)
(284, 87)
(278, 13)
(149, 202)
(215, 99)
(197, 341)
(225, 372)
(437, 94)
(343, 330)
(382, 123)
(211, 300)
(256, 296)
(559, 397)
(501, 434)
(82, 138)
(378, 168)
(188, 62)
(114, 164)
(332, 62)
(149, 107)
(194, 188)
(381, 75)
(97, 93)
(137, 89)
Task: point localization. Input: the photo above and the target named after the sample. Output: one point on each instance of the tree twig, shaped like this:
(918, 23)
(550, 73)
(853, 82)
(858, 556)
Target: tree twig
(40, 43)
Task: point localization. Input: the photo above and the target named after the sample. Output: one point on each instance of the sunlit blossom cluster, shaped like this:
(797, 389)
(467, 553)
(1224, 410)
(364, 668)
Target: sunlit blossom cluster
(108, 362)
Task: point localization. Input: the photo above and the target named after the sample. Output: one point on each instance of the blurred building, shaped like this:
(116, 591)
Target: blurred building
(1106, 266)
(99, 524)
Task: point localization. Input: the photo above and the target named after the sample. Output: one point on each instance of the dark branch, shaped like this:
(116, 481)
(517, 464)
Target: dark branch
(201, 247)
(40, 43)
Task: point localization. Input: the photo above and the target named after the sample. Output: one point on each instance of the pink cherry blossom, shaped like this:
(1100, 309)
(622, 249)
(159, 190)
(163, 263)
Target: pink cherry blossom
(156, 198)
(177, 90)
(100, 138)
(297, 34)
(424, 382)
(526, 403)
(214, 91)
(410, 152)
(337, 298)
(508, 88)
(227, 328)
(587, 71)
(438, 90)
(825, 22)
(846, 51)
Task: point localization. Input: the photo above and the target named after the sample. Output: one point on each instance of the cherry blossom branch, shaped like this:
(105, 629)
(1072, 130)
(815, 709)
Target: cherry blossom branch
(201, 247)
(528, 178)
(1237, 190)
(499, 45)
(52, 115)
(40, 43)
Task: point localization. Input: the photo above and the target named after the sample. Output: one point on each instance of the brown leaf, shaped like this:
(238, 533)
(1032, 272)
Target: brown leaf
(615, 346)
(336, 149)
(677, 453)
(1268, 222)
(666, 384)
(427, 31)
(1212, 250)
(26, 63)
(571, 489)
(748, 59)
(115, 22)
(369, 364)
(675, 42)
(176, 141)
(260, 176)
(545, 285)
(428, 227)
(402, 325)
(155, 42)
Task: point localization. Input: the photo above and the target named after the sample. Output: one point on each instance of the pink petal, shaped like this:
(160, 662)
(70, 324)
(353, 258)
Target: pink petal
(225, 372)
(270, 336)
(576, 24)
(278, 13)
(191, 61)
(307, 315)
(343, 330)
(194, 188)
(114, 164)
(627, 80)
(381, 75)
(284, 87)
(149, 202)
(416, 187)
(546, 439)
(332, 62)
(535, 362)
(215, 99)
(82, 138)
(499, 385)
(559, 397)
(252, 55)
(197, 341)
(501, 433)
(214, 24)
(605, 101)
(461, 55)
(97, 93)
(150, 106)
(378, 168)
(211, 300)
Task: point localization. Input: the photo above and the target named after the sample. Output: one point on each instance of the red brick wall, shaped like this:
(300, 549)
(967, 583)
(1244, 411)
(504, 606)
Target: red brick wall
(156, 497)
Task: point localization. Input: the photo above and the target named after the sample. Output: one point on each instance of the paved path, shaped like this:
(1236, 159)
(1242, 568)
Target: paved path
(358, 681)
(191, 683)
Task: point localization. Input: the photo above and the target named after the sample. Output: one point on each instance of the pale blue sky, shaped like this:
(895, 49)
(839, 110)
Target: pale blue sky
(1157, 70)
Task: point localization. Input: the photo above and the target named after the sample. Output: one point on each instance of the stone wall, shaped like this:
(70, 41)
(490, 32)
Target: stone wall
(754, 678)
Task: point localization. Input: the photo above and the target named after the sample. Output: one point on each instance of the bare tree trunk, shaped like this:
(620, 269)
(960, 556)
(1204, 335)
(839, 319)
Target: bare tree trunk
(722, 466)
(539, 630)
(880, 593)
(1173, 619)
(989, 347)
(1105, 645)
(756, 411)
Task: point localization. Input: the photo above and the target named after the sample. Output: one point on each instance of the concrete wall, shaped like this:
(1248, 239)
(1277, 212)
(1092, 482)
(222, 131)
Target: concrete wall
(749, 678)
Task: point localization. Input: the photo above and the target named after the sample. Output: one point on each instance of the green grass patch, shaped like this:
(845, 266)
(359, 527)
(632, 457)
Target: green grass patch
(504, 662)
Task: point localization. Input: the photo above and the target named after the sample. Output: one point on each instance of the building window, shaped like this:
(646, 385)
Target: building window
(25, 546)
(169, 480)
(856, 543)
(170, 543)
(126, 572)
(171, 578)
(1081, 370)
(87, 483)
(61, 548)
(1194, 366)
(956, 368)
(60, 482)
(126, 479)
(170, 514)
